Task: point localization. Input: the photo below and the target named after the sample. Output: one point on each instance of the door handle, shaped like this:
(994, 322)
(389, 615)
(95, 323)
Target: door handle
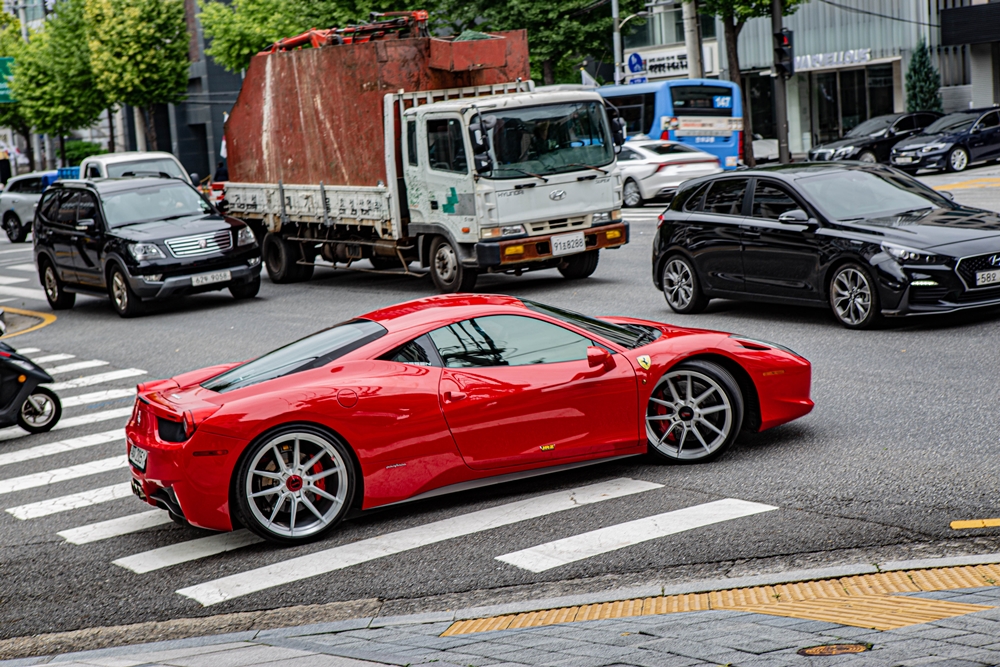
(751, 232)
(452, 396)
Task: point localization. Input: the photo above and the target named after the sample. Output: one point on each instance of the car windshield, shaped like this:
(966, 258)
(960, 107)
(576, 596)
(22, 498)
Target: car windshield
(629, 336)
(871, 126)
(872, 194)
(312, 351)
(956, 122)
(145, 167)
(550, 139)
(167, 200)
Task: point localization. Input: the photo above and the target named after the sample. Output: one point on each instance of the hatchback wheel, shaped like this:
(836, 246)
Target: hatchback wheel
(58, 298)
(681, 287)
(958, 159)
(126, 302)
(853, 297)
(694, 413)
(631, 195)
(295, 485)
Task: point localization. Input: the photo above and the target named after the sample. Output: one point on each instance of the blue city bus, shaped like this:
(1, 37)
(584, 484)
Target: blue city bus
(705, 113)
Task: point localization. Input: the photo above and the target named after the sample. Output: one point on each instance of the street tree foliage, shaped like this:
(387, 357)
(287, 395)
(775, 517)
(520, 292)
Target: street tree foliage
(12, 115)
(922, 81)
(139, 53)
(734, 14)
(53, 81)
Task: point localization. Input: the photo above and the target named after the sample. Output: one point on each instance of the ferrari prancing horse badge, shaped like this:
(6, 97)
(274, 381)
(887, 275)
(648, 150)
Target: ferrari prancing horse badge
(644, 361)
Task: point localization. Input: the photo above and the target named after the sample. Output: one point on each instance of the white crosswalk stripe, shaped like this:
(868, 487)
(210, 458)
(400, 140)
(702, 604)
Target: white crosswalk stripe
(22, 292)
(337, 558)
(23, 267)
(62, 446)
(184, 552)
(72, 422)
(125, 525)
(75, 366)
(11, 280)
(587, 545)
(100, 378)
(97, 397)
(47, 477)
(52, 357)
(73, 501)
(27, 350)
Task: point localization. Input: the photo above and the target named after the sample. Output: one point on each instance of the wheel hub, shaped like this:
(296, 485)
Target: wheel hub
(293, 483)
(686, 413)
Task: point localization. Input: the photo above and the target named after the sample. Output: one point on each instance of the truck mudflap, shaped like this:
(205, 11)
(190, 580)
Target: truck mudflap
(539, 248)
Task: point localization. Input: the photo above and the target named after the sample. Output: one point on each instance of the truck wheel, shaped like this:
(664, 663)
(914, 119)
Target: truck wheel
(580, 266)
(280, 259)
(447, 271)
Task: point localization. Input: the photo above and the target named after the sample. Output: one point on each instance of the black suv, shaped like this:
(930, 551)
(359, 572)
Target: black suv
(139, 239)
(873, 139)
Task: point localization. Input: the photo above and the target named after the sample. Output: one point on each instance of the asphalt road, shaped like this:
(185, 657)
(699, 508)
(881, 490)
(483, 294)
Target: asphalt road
(902, 441)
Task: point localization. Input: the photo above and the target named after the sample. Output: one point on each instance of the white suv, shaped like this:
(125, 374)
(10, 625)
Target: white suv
(134, 163)
(18, 201)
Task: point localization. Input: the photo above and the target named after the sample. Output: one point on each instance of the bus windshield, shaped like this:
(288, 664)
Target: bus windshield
(550, 139)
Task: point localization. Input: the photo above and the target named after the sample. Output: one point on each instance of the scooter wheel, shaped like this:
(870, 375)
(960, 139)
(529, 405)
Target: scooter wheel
(40, 411)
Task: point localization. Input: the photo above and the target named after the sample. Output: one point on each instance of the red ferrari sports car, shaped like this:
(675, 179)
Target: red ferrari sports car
(438, 395)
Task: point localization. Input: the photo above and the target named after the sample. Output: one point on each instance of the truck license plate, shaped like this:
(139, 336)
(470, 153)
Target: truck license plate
(209, 278)
(137, 457)
(567, 244)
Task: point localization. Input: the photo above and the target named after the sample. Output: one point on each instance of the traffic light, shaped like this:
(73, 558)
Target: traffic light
(784, 55)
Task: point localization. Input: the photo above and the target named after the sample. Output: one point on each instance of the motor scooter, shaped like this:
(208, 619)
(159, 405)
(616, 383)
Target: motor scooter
(23, 401)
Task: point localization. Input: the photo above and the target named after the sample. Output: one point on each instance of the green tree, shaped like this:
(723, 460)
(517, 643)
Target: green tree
(53, 81)
(734, 14)
(12, 115)
(922, 81)
(139, 53)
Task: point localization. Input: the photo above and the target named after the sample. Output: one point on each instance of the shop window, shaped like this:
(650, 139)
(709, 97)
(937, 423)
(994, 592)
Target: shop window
(853, 102)
(880, 93)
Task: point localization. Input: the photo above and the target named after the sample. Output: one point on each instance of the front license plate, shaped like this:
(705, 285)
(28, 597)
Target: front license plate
(566, 244)
(904, 160)
(209, 278)
(137, 457)
(987, 278)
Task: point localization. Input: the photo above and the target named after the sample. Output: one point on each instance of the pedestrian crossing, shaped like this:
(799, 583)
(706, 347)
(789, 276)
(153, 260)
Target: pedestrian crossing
(82, 495)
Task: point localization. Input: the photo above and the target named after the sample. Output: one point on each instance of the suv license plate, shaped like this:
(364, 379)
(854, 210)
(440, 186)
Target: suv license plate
(566, 244)
(987, 278)
(209, 278)
(137, 457)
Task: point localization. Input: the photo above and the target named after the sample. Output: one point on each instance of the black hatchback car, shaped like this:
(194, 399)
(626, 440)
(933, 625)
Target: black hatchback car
(873, 139)
(952, 142)
(136, 240)
(863, 240)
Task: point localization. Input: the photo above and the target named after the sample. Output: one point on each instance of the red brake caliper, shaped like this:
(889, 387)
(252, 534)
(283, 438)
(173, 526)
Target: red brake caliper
(320, 484)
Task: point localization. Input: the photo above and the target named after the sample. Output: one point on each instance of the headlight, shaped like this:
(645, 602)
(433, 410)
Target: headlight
(143, 251)
(244, 236)
(934, 147)
(909, 255)
(846, 150)
(499, 232)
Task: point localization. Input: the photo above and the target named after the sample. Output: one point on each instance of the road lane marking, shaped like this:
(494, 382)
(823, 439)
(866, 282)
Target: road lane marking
(604, 540)
(11, 280)
(59, 447)
(71, 502)
(26, 248)
(97, 397)
(23, 292)
(23, 267)
(125, 525)
(75, 366)
(975, 523)
(28, 350)
(100, 378)
(82, 420)
(183, 552)
(337, 558)
(47, 477)
(46, 320)
(52, 357)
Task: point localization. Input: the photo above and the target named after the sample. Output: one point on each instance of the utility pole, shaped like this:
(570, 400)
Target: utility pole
(36, 145)
(616, 40)
(780, 102)
(692, 39)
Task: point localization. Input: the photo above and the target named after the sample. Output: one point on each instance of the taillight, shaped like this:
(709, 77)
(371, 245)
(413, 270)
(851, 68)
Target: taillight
(665, 135)
(660, 167)
(659, 221)
(740, 136)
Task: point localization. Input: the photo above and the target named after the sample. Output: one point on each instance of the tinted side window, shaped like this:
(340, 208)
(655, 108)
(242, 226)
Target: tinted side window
(507, 340)
(446, 145)
(770, 201)
(32, 186)
(14, 186)
(925, 119)
(726, 197)
(419, 352)
(628, 154)
(989, 120)
(66, 213)
(49, 206)
(411, 143)
(93, 171)
(904, 124)
(87, 208)
(693, 202)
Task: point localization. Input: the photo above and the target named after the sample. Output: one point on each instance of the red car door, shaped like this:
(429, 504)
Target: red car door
(518, 390)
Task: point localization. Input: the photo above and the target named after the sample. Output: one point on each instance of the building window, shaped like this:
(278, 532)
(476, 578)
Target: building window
(665, 28)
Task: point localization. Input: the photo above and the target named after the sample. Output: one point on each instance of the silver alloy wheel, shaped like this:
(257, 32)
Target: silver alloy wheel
(288, 487)
(852, 296)
(446, 263)
(38, 410)
(689, 415)
(119, 291)
(867, 157)
(51, 283)
(958, 159)
(631, 194)
(678, 284)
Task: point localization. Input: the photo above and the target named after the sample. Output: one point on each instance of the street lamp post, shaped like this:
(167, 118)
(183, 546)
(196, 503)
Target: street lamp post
(616, 37)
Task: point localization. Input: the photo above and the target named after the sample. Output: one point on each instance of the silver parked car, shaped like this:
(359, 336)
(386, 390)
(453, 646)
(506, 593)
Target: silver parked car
(18, 201)
(652, 169)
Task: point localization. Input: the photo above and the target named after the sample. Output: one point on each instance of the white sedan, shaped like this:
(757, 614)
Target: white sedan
(652, 169)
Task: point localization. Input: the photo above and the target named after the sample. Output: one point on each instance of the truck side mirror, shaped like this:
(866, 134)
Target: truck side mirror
(618, 131)
(483, 163)
(478, 134)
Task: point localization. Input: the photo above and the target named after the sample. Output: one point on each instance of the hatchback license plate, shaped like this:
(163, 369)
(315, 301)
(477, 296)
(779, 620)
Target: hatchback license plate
(209, 278)
(987, 278)
(567, 244)
(903, 160)
(137, 457)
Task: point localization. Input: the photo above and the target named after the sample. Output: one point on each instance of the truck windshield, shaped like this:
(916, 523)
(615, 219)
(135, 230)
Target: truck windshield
(551, 139)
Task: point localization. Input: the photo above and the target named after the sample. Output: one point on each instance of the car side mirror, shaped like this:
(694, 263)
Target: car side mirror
(86, 223)
(796, 215)
(947, 195)
(194, 177)
(975, 130)
(598, 356)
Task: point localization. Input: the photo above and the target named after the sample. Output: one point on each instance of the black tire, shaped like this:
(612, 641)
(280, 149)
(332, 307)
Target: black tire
(125, 301)
(295, 484)
(281, 261)
(40, 411)
(677, 430)
(15, 231)
(246, 290)
(681, 287)
(447, 272)
(853, 297)
(631, 194)
(55, 292)
(867, 156)
(385, 263)
(580, 266)
(957, 160)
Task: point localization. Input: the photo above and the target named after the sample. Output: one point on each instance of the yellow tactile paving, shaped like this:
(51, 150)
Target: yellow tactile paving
(866, 601)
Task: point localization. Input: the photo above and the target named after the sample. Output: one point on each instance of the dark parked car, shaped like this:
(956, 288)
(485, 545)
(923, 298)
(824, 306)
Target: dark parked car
(139, 239)
(872, 140)
(863, 240)
(952, 142)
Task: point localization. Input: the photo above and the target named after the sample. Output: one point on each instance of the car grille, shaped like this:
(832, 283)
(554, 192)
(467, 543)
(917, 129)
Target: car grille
(967, 267)
(201, 244)
(553, 226)
(928, 294)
